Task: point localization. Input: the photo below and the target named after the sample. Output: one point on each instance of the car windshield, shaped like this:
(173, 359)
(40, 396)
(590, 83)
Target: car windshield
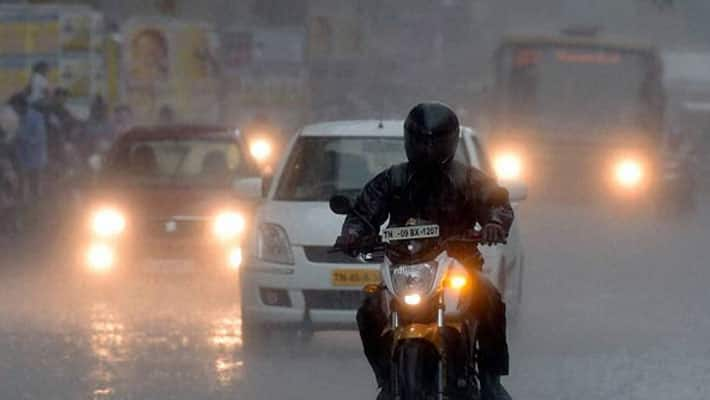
(200, 162)
(320, 167)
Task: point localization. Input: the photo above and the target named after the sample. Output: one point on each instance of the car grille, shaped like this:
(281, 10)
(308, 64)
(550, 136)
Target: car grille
(324, 254)
(333, 299)
(178, 229)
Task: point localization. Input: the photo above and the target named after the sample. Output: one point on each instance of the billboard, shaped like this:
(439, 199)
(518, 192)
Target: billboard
(68, 38)
(265, 73)
(170, 63)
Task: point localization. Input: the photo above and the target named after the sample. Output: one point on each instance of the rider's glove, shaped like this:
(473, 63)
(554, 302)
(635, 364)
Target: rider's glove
(492, 234)
(346, 243)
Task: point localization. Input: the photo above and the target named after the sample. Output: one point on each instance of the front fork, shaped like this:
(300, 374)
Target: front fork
(441, 379)
(441, 370)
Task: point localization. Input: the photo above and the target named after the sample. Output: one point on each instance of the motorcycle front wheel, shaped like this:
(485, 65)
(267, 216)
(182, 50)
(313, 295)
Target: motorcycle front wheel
(416, 371)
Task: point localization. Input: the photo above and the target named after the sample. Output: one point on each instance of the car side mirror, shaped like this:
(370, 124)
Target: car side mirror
(517, 190)
(248, 187)
(266, 181)
(340, 204)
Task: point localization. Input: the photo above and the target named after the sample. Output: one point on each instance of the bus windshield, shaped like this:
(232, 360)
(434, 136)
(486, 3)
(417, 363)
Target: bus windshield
(565, 89)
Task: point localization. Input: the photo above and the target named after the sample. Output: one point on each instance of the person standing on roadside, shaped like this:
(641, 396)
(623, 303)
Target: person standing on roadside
(32, 135)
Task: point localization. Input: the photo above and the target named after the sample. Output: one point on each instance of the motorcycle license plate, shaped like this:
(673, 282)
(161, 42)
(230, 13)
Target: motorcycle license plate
(410, 232)
(354, 277)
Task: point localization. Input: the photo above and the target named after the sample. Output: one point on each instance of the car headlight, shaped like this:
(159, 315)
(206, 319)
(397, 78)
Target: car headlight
(108, 222)
(235, 258)
(629, 173)
(260, 149)
(273, 244)
(413, 281)
(100, 257)
(508, 166)
(228, 225)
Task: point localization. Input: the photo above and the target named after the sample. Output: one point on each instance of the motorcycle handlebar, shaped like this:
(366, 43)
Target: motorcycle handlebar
(374, 243)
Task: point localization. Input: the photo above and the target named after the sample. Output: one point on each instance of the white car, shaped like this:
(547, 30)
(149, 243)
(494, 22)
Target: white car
(292, 278)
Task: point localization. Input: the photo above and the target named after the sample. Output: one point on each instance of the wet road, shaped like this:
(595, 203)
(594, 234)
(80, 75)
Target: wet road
(615, 309)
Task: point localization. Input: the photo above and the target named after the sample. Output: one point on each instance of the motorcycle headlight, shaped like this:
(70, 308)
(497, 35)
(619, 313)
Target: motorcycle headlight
(228, 225)
(411, 280)
(108, 222)
(273, 244)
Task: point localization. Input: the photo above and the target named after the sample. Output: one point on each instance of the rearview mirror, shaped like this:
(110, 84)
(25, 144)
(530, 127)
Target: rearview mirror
(340, 205)
(497, 197)
(248, 187)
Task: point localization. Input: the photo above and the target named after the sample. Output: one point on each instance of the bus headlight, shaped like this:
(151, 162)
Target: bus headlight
(108, 222)
(508, 166)
(228, 225)
(629, 173)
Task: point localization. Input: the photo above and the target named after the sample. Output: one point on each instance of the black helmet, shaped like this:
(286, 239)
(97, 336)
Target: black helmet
(431, 135)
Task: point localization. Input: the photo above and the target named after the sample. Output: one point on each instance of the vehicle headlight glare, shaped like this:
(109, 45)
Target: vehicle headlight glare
(508, 166)
(229, 225)
(412, 299)
(260, 149)
(100, 257)
(235, 258)
(108, 222)
(629, 173)
(417, 278)
(457, 282)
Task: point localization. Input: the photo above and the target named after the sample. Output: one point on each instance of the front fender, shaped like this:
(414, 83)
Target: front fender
(426, 332)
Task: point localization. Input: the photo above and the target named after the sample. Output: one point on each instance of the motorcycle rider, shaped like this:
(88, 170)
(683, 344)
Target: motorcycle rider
(434, 187)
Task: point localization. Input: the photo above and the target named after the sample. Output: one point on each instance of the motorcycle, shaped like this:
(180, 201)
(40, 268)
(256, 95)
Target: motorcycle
(433, 354)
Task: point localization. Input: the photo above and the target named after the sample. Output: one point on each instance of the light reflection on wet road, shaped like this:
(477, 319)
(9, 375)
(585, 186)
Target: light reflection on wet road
(76, 342)
(614, 309)
(164, 340)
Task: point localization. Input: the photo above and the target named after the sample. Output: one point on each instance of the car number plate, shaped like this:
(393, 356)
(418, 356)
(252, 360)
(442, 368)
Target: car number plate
(169, 266)
(410, 232)
(354, 277)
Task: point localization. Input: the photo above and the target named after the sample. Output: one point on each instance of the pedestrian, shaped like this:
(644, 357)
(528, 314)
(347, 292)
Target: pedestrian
(97, 125)
(98, 130)
(122, 120)
(8, 180)
(60, 124)
(32, 135)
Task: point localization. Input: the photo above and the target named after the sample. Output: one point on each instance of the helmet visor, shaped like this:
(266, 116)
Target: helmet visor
(431, 150)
